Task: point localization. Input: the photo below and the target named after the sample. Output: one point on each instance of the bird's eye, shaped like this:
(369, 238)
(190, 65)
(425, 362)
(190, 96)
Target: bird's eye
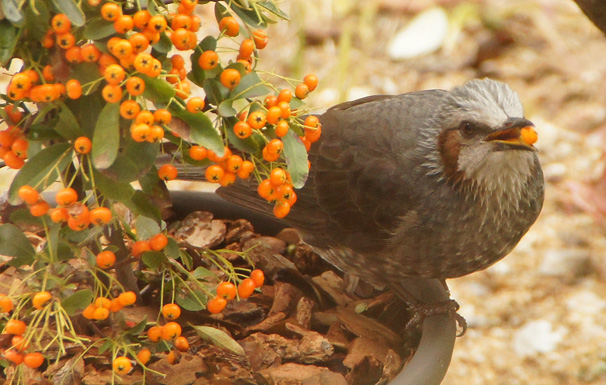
(467, 129)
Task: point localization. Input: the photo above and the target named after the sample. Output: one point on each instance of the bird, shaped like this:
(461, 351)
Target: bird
(430, 184)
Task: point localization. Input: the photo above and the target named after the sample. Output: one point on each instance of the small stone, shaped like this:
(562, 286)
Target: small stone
(537, 337)
(425, 34)
(565, 263)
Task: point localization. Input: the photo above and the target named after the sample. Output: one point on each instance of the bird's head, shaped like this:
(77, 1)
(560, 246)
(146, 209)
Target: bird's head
(483, 140)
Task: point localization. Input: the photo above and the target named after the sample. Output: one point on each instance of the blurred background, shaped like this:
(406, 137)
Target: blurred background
(539, 316)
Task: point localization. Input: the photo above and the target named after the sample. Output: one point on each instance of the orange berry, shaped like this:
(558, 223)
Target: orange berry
(129, 109)
(274, 114)
(19, 343)
(123, 24)
(208, 60)
(15, 326)
(230, 26)
(170, 331)
(233, 164)
(282, 128)
(15, 114)
(19, 147)
(242, 130)
(122, 365)
(214, 173)
(529, 135)
(106, 259)
(162, 116)
(311, 81)
(66, 196)
(115, 305)
(11, 160)
(77, 224)
(266, 190)
(6, 304)
(167, 172)
(195, 104)
(157, 23)
(73, 55)
(246, 168)
(13, 356)
(112, 93)
(40, 299)
(144, 356)
(111, 11)
(74, 89)
(171, 311)
(139, 248)
(270, 101)
(103, 302)
(158, 242)
(230, 77)
(171, 357)
(285, 95)
(258, 277)
(66, 40)
(135, 86)
(260, 38)
(60, 23)
(228, 178)
(114, 74)
(301, 90)
(89, 312)
(246, 288)
(281, 209)
(141, 19)
(226, 290)
(154, 333)
(139, 41)
(182, 344)
(39, 209)
(247, 47)
(127, 298)
(90, 53)
(277, 177)
(197, 152)
(29, 194)
(257, 119)
(83, 145)
(140, 132)
(122, 49)
(33, 360)
(59, 215)
(216, 305)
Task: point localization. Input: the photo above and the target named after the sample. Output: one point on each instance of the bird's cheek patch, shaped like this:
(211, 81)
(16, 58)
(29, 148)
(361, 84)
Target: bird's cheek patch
(449, 146)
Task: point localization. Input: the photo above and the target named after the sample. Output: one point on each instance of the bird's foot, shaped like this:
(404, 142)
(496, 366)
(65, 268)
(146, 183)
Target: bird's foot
(423, 310)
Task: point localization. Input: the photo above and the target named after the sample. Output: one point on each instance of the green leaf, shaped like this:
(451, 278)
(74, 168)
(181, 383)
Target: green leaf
(192, 301)
(67, 126)
(106, 138)
(77, 301)
(163, 46)
(37, 17)
(141, 204)
(202, 272)
(72, 10)
(219, 338)
(153, 259)
(250, 18)
(296, 159)
(209, 43)
(13, 243)
(172, 249)
(157, 90)
(111, 188)
(98, 28)
(8, 41)
(42, 169)
(138, 328)
(146, 227)
(124, 169)
(270, 7)
(106, 345)
(143, 155)
(12, 11)
(226, 109)
(215, 91)
(250, 86)
(202, 130)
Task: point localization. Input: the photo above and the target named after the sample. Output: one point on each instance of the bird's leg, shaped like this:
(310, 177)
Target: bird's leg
(426, 299)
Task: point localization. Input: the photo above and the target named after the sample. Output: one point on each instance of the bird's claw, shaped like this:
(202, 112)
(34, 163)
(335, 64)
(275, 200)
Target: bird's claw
(423, 310)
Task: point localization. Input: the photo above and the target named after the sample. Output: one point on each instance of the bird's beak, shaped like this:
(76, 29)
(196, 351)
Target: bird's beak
(517, 134)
